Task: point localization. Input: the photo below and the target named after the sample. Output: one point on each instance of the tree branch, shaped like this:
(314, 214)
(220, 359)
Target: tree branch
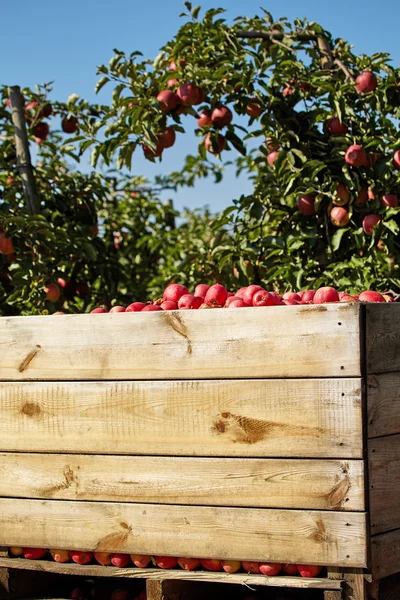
(327, 58)
(275, 35)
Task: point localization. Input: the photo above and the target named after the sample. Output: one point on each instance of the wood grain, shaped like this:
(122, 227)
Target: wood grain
(295, 536)
(178, 574)
(383, 392)
(301, 418)
(283, 483)
(280, 341)
(333, 595)
(385, 554)
(384, 483)
(382, 337)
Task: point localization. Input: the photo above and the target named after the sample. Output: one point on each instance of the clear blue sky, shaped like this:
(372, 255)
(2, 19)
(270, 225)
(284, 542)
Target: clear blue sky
(65, 41)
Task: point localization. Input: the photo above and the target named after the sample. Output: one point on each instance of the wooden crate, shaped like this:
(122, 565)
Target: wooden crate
(263, 434)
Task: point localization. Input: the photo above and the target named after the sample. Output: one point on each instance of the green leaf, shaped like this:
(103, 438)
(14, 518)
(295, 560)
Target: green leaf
(337, 237)
(101, 83)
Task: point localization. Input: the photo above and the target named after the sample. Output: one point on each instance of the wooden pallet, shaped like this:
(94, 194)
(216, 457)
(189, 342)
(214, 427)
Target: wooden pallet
(264, 434)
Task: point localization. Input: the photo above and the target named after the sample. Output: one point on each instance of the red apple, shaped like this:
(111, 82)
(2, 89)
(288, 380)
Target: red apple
(167, 137)
(221, 117)
(251, 566)
(270, 569)
(290, 569)
(189, 564)
(173, 66)
(220, 144)
(172, 83)
(396, 159)
(356, 156)
(117, 309)
(60, 556)
(253, 108)
(309, 570)
(205, 119)
(389, 200)
(69, 125)
(81, 558)
(335, 127)
(169, 305)
(308, 297)
(52, 292)
(231, 566)
(120, 560)
(271, 157)
(98, 310)
(120, 594)
(370, 296)
(190, 94)
(168, 100)
(135, 307)
(166, 562)
(201, 290)
(211, 564)
(41, 131)
(103, 558)
(369, 222)
(140, 560)
(366, 82)
(6, 245)
(151, 308)
(149, 153)
(362, 197)
(339, 216)
(326, 294)
(347, 298)
(343, 195)
(34, 553)
(16, 551)
(306, 203)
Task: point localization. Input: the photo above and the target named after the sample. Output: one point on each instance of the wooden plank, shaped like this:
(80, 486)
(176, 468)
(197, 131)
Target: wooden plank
(274, 535)
(385, 554)
(177, 574)
(384, 483)
(287, 483)
(354, 587)
(279, 341)
(333, 595)
(382, 337)
(383, 393)
(302, 417)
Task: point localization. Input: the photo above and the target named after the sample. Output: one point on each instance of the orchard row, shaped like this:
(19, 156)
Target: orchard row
(167, 562)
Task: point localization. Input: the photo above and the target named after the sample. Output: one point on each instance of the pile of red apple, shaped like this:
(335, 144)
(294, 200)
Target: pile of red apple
(178, 297)
(167, 562)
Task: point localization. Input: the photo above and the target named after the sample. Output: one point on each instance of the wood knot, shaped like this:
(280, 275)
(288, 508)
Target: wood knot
(31, 409)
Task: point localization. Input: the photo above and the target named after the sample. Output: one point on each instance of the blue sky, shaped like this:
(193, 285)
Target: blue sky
(65, 41)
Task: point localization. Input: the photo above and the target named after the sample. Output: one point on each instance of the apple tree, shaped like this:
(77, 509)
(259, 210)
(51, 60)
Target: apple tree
(96, 238)
(312, 124)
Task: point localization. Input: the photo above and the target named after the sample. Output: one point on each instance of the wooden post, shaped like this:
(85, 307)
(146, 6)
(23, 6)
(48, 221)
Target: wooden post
(22, 150)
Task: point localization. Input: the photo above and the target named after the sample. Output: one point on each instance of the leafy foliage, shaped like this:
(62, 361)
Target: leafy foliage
(103, 238)
(301, 77)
